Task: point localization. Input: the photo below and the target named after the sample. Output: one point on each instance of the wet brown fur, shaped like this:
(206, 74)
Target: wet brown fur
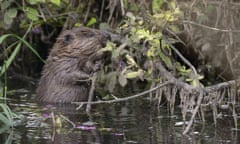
(72, 60)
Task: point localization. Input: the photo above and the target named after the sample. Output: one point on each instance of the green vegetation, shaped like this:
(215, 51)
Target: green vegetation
(6, 115)
(16, 46)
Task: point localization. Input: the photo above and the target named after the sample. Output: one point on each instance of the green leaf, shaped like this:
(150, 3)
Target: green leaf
(122, 80)
(194, 83)
(12, 12)
(32, 14)
(92, 21)
(56, 2)
(135, 74)
(142, 33)
(111, 82)
(34, 2)
(150, 52)
(7, 20)
(6, 116)
(156, 5)
(166, 59)
(104, 26)
(3, 37)
(5, 120)
(5, 4)
(10, 59)
(173, 4)
(131, 60)
(131, 75)
(131, 16)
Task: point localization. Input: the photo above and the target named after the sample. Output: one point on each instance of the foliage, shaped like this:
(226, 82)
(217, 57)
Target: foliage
(6, 115)
(142, 47)
(11, 9)
(50, 12)
(17, 45)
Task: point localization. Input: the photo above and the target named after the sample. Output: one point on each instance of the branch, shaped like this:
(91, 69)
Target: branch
(209, 27)
(126, 98)
(221, 85)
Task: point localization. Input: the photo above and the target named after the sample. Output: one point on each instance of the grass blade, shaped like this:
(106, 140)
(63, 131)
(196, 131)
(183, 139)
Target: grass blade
(10, 59)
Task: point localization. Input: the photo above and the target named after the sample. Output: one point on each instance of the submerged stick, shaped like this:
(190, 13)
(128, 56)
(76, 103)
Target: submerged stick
(90, 96)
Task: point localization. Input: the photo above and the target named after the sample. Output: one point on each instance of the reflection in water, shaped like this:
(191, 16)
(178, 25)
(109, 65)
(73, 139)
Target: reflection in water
(130, 122)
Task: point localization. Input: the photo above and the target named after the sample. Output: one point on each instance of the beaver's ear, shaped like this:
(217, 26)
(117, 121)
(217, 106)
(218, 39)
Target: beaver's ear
(67, 38)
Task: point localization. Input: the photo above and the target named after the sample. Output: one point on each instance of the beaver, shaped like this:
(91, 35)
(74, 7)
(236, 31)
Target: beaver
(73, 59)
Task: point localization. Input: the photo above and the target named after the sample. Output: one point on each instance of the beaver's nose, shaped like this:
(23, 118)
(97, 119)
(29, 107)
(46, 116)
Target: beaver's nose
(106, 35)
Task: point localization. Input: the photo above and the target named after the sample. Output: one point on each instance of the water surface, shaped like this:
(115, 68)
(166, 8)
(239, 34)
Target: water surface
(132, 122)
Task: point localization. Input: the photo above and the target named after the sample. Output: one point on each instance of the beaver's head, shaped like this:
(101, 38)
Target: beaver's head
(80, 41)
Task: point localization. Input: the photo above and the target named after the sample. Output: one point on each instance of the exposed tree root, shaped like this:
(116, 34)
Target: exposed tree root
(212, 95)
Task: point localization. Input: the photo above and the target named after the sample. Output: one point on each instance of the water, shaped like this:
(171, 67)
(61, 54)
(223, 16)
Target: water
(133, 122)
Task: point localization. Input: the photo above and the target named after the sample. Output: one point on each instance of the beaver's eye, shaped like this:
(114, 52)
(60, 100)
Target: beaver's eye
(88, 33)
(68, 38)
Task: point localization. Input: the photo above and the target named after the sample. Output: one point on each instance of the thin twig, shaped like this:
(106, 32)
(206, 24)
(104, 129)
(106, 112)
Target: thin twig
(102, 9)
(209, 27)
(88, 10)
(222, 85)
(68, 120)
(122, 7)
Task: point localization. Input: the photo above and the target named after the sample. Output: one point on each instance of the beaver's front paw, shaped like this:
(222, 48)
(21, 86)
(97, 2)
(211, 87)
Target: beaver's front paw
(92, 67)
(97, 66)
